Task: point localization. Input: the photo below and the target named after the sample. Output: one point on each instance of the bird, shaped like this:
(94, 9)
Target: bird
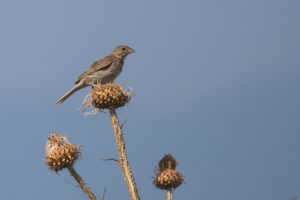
(105, 70)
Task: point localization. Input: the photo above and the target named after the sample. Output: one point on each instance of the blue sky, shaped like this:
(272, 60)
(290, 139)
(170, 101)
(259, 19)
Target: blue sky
(216, 83)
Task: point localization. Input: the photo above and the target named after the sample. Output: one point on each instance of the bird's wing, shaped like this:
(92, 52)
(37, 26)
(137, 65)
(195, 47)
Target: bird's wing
(102, 64)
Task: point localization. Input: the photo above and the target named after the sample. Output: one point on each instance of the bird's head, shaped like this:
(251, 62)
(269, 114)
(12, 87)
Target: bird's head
(122, 51)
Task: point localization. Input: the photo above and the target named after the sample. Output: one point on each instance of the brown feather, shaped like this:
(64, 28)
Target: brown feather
(96, 66)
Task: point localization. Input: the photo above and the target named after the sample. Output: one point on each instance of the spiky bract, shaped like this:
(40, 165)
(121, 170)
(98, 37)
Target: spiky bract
(60, 153)
(168, 179)
(109, 96)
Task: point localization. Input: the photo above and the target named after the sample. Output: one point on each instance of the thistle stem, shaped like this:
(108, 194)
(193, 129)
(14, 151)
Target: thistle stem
(124, 163)
(82, 184)
(170, 195)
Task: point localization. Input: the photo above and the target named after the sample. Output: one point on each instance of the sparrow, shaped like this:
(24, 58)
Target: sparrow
(103, 71)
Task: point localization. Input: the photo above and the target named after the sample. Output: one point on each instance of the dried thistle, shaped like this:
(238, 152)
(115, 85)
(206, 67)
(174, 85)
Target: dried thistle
(167, 177)
(107, 96)
(60, 153)
(167, 162)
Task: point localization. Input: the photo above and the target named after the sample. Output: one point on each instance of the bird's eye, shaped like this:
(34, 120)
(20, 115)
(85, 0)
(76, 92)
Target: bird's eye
(123, 49)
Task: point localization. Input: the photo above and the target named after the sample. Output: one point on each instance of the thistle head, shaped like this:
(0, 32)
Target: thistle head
(60, 153)
(167, 177)
(108, 96)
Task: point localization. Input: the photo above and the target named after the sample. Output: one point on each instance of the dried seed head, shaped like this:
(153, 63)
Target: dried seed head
(108, 96)
(167, 162)
(167, 177)
(60, 153)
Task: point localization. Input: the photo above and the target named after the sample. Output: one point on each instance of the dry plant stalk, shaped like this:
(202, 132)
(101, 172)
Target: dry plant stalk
(82, 184)
(103, 194)
(112, 96)
(124, 163)
(170, 195)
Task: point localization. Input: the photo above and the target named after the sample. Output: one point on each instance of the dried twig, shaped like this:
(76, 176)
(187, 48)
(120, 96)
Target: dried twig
(103, 194)
(77, 186)
(111, 159)
(122, 125)
(82, 184)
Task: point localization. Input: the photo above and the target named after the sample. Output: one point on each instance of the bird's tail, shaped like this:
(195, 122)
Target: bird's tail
(70, 92)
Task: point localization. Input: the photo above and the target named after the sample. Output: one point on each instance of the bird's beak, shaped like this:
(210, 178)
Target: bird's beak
(131, 50)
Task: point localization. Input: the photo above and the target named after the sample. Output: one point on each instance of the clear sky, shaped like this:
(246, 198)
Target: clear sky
(216, 83)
